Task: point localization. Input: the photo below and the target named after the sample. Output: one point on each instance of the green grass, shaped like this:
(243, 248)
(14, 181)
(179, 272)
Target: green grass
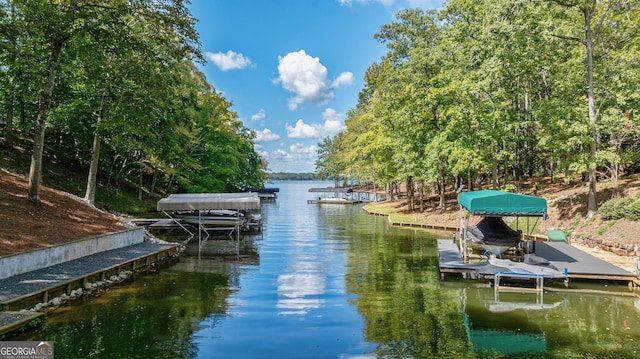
(379, 209)
(604, 228)
(392, 213)
(403, 218)
(526, 226)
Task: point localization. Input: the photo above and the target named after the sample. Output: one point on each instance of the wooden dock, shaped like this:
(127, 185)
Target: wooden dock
(579, 265)
(25, 290)
(450, 259)
(10, 321)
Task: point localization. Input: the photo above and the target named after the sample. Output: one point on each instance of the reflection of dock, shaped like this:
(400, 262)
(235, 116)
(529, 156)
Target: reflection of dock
(580, 265)
(492, 332)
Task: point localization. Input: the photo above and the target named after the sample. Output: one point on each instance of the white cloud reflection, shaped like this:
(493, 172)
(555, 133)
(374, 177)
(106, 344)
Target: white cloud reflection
(302, 288)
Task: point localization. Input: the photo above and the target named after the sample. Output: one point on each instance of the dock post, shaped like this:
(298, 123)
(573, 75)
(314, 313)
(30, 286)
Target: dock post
(539, 283)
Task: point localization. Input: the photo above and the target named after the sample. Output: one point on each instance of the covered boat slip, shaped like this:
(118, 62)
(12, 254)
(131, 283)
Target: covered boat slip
(264, 193)
(563, 259)
(491, 232)
(579, 265)
(200, 203)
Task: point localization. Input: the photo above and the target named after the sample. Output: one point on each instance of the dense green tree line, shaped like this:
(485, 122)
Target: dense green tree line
(483, 93)
(289, 176)
(111, 86)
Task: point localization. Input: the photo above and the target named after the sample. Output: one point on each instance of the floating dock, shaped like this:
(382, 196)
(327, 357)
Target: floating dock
(450, 259)
(579, 265)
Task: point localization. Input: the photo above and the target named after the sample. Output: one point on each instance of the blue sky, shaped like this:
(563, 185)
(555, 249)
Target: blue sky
(292, 68)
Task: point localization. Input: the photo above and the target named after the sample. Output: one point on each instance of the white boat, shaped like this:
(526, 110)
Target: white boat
(334, 195)
(213, 218)
(337, 200)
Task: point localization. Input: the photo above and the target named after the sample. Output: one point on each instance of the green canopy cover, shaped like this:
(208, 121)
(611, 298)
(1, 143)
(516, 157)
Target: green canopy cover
(491, 202)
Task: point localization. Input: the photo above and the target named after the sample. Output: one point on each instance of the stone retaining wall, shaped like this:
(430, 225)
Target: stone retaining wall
(46, 257)
(630, 249)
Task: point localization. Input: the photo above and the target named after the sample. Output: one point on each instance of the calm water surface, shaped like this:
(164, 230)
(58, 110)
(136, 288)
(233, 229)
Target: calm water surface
(330, 281)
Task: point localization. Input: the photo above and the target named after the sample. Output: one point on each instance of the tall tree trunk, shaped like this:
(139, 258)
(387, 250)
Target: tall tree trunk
(479, 178)
(552, 167)
(10, 87)
(9, 123)
(442, 188)
(140, 180)
(592, 206)
(44, 103)
(90, 194)
(421, 196)
(153, 182)
(410, 193)
(494, 168)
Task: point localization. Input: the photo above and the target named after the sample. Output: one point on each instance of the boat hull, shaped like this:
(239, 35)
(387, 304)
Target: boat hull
(214, 219)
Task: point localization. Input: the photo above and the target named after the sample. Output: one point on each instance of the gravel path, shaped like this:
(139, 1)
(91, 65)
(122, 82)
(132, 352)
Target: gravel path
(30, 282)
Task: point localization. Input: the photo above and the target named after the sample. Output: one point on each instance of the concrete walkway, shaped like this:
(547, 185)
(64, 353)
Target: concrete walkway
(19, 291)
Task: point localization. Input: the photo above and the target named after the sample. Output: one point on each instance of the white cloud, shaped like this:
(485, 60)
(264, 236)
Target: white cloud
(331, 126)
(229, 61)
(266, 135)
(396, 5)
(307, 78)
(302, 130)
(332, 122)
(345, 78)
(295, 158)
(384, 2)
(425, 4)
(300, 149)
(261, 115)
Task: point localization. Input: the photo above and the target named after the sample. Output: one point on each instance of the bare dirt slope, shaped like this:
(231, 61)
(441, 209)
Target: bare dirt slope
(58, 219)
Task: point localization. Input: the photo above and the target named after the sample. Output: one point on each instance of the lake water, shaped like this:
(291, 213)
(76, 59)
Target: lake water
(330, 281)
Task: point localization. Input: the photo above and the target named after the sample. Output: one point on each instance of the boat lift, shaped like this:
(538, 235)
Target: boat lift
(492, 203)
(199, 202)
